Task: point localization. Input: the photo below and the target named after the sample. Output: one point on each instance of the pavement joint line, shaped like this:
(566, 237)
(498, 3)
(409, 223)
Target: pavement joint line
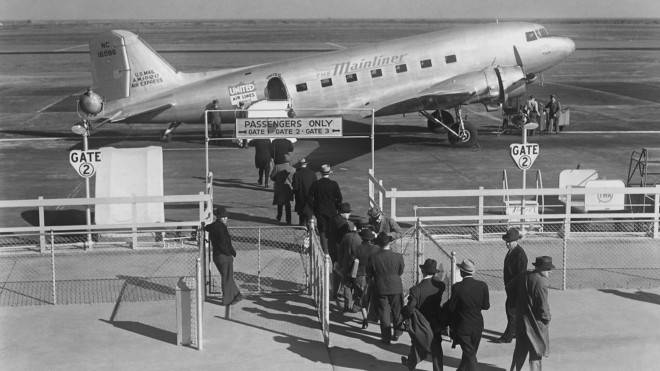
(69, 48)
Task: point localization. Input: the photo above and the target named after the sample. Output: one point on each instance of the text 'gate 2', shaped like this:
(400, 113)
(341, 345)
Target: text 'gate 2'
(524, 155)
(85, 162)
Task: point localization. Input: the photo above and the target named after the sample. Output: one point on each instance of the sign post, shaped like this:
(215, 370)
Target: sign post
(523, 156)
(85, 163)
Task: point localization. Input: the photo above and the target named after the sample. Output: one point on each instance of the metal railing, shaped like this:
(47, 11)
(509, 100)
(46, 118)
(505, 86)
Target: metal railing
(320, 268)
(490, 213)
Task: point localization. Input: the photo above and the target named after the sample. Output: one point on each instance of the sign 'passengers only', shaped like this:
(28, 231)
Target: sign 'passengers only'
(299, 127)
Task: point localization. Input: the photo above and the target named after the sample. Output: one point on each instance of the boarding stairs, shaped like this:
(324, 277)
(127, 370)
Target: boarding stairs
(644, 171)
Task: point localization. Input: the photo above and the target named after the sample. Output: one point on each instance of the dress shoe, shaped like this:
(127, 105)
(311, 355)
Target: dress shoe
(404, 360)
(365, 324)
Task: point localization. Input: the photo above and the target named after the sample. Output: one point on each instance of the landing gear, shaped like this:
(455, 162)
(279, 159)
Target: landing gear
(459, 133)
(167, 134)
(442, 116)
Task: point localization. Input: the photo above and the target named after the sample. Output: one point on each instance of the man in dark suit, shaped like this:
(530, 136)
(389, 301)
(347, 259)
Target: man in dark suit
(386, 268)
(515, 264)
(468, 298)
(325, 198)
(281, 148)
(263, 152)
(223, 255)
(426, 297)
(302, 182)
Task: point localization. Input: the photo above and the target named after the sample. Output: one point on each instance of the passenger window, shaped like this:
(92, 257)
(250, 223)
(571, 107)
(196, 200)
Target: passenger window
(544, 32)
(376, 73)
(450, 58)
(326, 83)
(531, 36)
(351, 77)
(301, 87)
(426, 63)
(401, 68)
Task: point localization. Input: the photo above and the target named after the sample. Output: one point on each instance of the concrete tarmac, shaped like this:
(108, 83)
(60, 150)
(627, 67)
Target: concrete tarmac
(590, 330)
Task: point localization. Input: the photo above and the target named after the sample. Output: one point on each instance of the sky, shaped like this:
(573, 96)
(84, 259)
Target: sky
(289, 9)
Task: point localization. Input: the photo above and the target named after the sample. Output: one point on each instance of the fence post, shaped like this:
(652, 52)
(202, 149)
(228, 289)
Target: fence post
(52, 265)
(134, 237)
(42, 229)
(453, 271)
(393, 205)
(380, 195)
(201, 208)
(202, 255)
(259, 260)
(564, 260)
(200, 302)
(372, 193)
(480, 228)
(326, 299)
(656, 211)
(420, 249)
(567, 217)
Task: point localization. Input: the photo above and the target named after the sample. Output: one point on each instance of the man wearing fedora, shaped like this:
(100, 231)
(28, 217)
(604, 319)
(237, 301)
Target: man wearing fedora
(468, 298)
(361, 255)
(533, 316)
(325, 198)
(386, 268)
(263, 153)
(382, 223)
(282, 177)
(302, 182)
(515, 265)
(223, 255)
(425, 299)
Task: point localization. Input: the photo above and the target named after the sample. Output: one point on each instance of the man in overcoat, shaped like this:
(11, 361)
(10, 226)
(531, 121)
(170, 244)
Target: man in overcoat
(533, 316)
(515, 265)
(386, 268)
(302, 182)
(425, 299)
(468, 298)
(325, 198)
(263, 152)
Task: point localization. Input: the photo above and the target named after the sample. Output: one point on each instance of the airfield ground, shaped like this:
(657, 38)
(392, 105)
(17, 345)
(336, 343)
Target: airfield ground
(611, 85)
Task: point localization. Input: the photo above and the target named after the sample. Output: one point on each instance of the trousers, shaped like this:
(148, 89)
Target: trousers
(469, 344)
(225, 264)
(417, 355)
(520, 352)
(510, 309)
(287, 209)
(389, 312)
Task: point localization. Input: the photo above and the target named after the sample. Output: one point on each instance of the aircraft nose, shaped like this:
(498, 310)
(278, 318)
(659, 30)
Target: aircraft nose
(567, 46)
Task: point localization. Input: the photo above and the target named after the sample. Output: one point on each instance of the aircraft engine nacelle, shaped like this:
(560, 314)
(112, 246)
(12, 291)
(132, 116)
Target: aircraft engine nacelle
(494, 86)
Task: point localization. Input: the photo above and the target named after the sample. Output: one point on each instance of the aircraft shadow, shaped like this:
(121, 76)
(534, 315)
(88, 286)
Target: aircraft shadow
(639, 295)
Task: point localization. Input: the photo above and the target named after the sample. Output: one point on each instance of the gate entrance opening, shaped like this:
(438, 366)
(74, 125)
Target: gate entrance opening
(275, 89)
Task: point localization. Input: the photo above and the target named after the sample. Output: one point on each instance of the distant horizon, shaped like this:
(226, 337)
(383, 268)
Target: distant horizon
(310, 19)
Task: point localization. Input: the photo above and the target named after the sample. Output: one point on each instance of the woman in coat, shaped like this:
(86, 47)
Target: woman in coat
(282, 177)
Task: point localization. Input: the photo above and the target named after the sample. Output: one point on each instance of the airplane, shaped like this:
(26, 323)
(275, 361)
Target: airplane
(430, 73)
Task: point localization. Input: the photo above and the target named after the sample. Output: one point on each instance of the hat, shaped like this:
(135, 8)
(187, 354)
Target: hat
(466, 266)
(430, 266)
(361, 221)
(220, 212)
(513, 234)
(374, 212)
(325, 169)
(543, 263)
(367, 234)
(345, 208)
(383, 239)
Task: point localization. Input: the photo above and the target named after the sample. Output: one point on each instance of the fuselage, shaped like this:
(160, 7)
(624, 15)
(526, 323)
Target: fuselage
(365, 77)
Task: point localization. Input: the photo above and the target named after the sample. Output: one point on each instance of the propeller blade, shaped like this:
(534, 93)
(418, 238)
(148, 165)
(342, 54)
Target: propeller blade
(519, 61)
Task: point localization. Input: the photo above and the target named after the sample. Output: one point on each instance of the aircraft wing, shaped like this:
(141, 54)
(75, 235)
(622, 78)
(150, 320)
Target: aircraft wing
(462, 89)
(138, 114)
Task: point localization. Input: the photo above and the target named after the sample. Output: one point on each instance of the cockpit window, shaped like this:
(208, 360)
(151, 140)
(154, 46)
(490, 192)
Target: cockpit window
(531, 36)
(544, 32)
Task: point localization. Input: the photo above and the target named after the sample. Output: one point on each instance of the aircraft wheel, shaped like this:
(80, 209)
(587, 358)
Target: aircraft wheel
(468, 138)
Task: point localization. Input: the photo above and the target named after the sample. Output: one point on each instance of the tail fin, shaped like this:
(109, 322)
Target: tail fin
(124, 65)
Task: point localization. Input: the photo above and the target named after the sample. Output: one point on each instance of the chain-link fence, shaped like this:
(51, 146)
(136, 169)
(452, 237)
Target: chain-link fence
(268, 259)
(587, 254)
(140, 282)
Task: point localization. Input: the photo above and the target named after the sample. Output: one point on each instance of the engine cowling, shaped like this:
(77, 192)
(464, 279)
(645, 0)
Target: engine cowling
(494, 86)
